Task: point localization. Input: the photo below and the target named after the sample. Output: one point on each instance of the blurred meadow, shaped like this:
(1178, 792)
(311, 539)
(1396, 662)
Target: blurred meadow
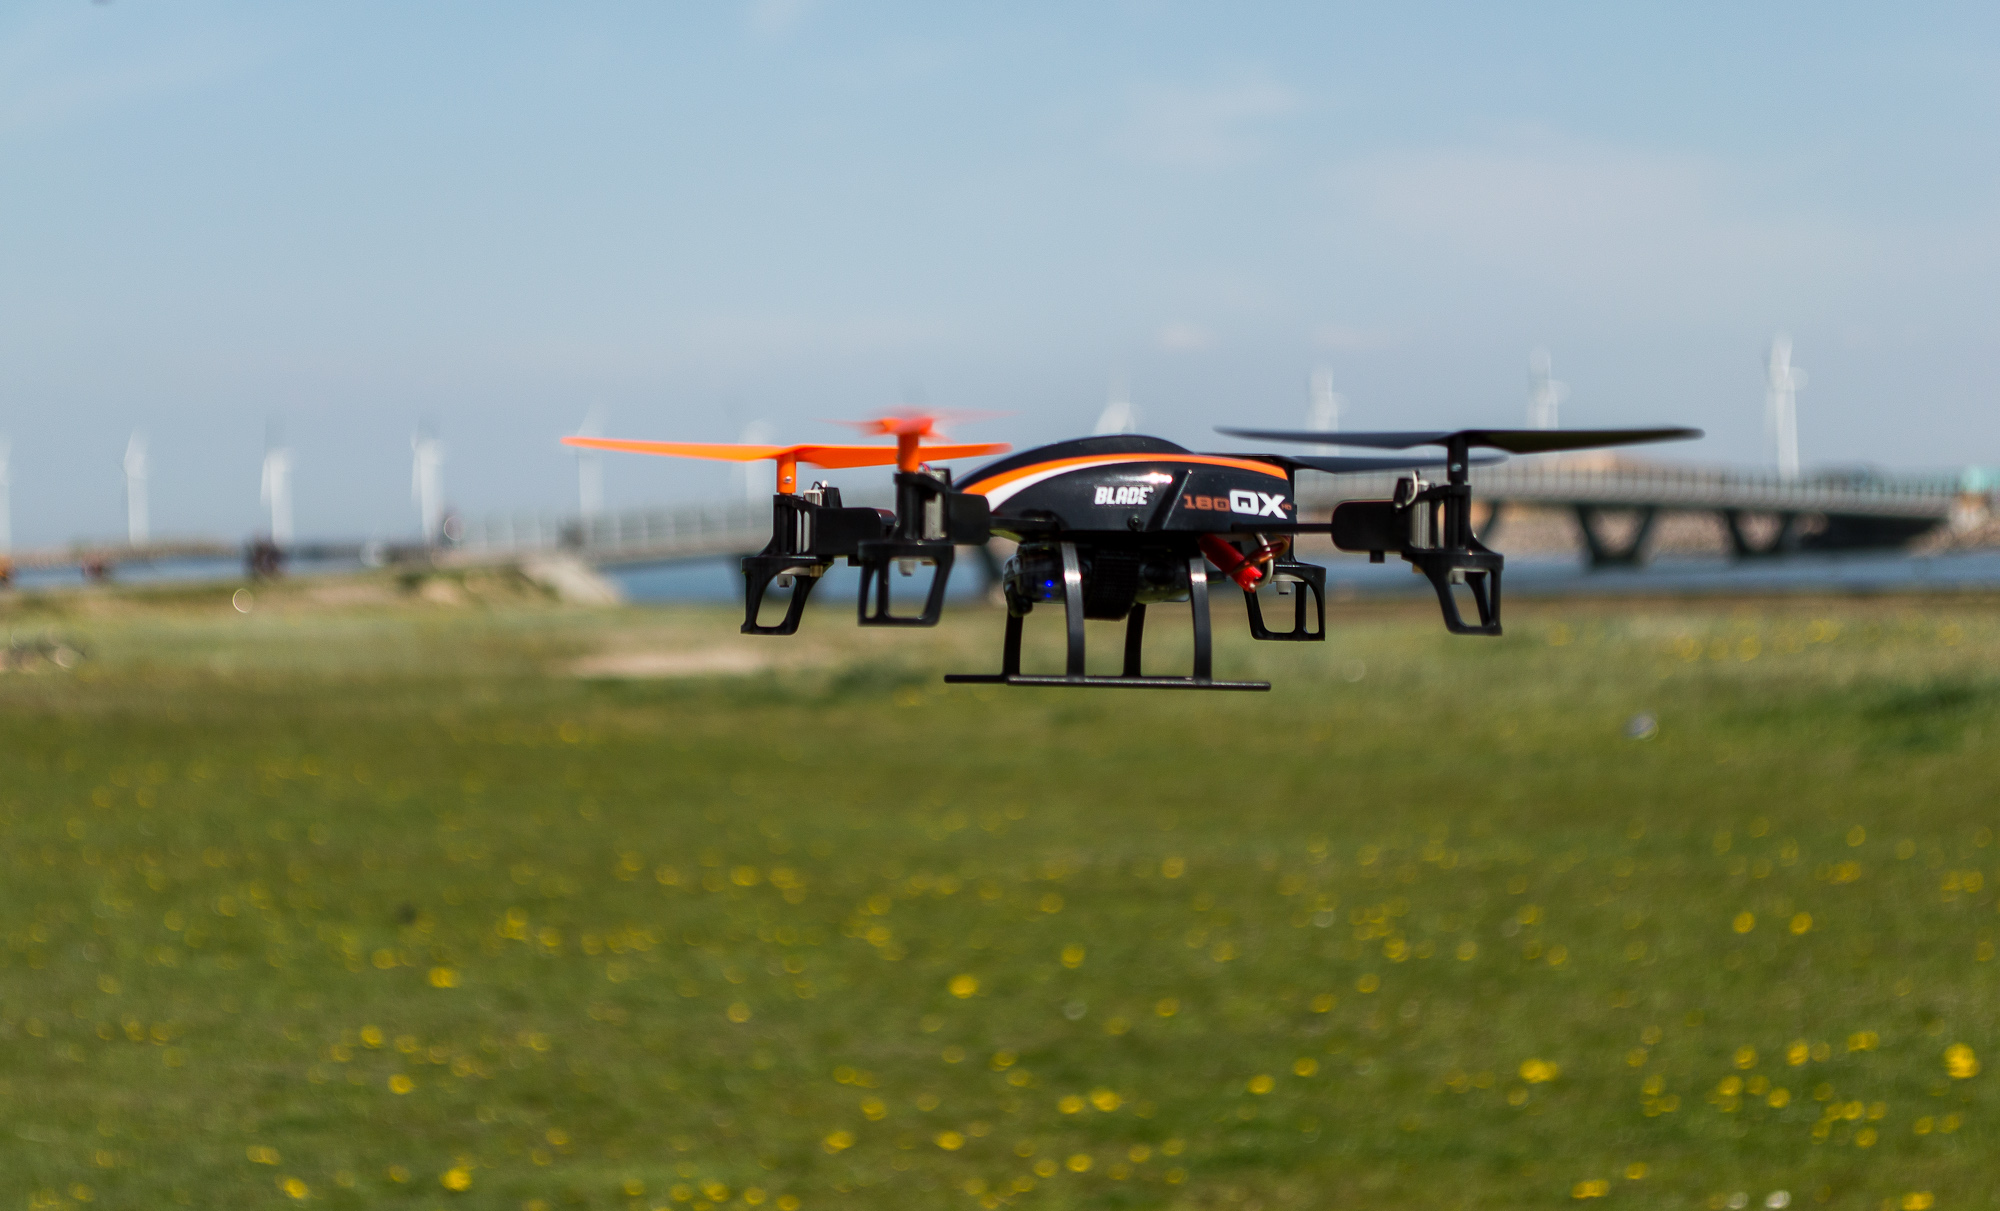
(465, 899)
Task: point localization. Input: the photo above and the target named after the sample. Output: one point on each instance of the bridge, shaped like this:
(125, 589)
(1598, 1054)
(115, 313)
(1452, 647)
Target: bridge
(1763, 513)
(1823, 512)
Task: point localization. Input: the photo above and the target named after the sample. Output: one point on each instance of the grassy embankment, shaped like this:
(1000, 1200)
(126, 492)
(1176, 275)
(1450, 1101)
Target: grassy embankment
(378, 903)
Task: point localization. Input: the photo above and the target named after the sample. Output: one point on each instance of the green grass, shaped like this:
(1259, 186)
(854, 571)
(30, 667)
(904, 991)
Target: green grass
(1422, 927)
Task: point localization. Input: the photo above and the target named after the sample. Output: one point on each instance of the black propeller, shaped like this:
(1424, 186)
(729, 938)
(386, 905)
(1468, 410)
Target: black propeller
(1514, 441)
(1340, 464)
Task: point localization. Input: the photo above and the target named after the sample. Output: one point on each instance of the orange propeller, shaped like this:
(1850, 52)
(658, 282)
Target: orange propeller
(906, 455)
(910, 426)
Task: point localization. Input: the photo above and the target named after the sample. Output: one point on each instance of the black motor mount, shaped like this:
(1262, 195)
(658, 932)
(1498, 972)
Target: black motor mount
(1430, 526)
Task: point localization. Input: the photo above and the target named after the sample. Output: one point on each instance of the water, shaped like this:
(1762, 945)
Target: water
(206, 570)
(1538, 576)
(1858, 572)
(718, 580)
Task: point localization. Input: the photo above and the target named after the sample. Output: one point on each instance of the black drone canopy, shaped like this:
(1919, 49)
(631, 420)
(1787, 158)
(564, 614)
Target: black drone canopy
(1514, 441)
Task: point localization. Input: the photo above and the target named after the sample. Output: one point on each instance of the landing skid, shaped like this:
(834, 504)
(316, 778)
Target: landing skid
(1106, 682)
(1073, 675)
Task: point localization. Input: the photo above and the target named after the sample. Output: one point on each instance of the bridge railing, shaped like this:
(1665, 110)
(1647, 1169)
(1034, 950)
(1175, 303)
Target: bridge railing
(1681, 488)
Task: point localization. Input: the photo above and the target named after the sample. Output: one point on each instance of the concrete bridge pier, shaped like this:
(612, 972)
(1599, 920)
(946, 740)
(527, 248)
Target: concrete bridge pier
(1602, 553)
(1784, 541)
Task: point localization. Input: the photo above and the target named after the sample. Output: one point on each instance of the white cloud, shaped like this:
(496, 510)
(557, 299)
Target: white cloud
(1606, 222)
(1182, 337)
(1352, 340)
(776, 18)
(1204, 127)
(57, 71)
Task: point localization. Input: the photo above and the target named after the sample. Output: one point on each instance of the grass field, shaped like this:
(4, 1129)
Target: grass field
(378, 902)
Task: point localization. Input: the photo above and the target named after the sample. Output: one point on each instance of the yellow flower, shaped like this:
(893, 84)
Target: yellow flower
(1070, 1105)
(371, 1036)
(1746, 1057)
(1260, 1084)
(1744, 922)
(873, 1109)
(262, 1156)
(839, 1141)
(401, 1084)
(739, 1012)
(1801, 922)
(1798, 1052)
(788, 1202)
(1636, 1171)
(1105, 1100)
(1305, 1066)
(443, 977)
(457, 1177)
(1080, 1163)
(1368, 983)
(1140, 1154)
(1173, 868)
(294, 1187)
(950, 1141)
(1167, 1007)
(1591, 1189)
(1051, 903)
(1920, 1200)
(1960, 1062)
(1324, 1002)
(1045, 1168)
(963, 986)
(1536, 1072)
(1072, 956)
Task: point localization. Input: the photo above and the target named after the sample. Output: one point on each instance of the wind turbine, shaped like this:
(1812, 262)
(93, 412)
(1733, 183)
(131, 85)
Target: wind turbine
(1545, 394)
(1782, 382)
(590, 467)
(276, 492)
(1119, 415)
(137, 525)
(1323, 410)
(427, 483)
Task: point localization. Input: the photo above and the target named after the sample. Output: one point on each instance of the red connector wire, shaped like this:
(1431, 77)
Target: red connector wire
(1248, 571)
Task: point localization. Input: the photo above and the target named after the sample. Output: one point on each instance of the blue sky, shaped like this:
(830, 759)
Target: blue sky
(343, 220)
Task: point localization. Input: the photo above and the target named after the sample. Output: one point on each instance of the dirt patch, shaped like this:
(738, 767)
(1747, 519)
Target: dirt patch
(349, 593)
(710, 662)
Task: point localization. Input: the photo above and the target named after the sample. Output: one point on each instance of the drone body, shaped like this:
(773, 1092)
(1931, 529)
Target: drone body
(1108, 526)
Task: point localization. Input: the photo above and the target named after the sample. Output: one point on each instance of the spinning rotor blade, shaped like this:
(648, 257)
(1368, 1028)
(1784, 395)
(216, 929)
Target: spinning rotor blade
(1514, 441)
(904, 422)
(882, 456)
(735, 452)
(1335, 464)
(906, 454)
(814, 453)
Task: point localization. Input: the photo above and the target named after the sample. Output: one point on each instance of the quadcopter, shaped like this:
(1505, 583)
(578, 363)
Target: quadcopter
(1110, 525)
